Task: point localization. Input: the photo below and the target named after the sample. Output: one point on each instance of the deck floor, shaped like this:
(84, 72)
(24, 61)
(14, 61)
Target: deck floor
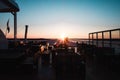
(94, 71)
(98, 71)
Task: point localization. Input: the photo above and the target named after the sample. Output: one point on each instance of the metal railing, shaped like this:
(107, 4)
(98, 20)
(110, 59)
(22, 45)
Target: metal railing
(107, 38)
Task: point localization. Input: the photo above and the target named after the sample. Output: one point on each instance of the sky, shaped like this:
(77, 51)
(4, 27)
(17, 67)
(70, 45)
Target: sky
(53, 18)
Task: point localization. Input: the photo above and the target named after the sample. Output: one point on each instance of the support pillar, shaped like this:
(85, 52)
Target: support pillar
(15, 26)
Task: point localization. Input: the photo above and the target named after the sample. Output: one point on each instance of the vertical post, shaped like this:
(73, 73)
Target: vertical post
(119, 33)
(92, 38)
(97, 39)
(26, 30)
(15, 26)
(110, 38)
(89, 38)
(102, 39)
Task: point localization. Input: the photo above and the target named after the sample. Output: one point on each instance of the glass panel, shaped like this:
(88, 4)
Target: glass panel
(106, 35)
(94, 36)
(115, 34)
(99, 35)
(90, 36)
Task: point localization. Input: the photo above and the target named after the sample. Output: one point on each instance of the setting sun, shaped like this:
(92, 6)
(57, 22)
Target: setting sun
(63, 35)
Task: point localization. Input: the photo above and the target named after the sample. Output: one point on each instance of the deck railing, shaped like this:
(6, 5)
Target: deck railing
(107, 38)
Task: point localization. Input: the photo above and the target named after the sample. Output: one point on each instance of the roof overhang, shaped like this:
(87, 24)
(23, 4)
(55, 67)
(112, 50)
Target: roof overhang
(8, 6)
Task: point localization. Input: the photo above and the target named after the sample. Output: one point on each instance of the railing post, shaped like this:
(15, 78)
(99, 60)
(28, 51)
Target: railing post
(110, 38)
(97, 39)
(89, 38)
(92, 38)
(119, 33)
(102, 39)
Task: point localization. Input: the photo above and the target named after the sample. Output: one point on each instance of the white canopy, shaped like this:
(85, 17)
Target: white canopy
(10, 6)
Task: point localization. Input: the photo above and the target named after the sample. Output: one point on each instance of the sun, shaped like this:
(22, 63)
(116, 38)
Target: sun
(63, 35)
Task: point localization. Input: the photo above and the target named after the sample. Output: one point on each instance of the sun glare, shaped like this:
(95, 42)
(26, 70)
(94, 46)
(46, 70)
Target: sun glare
(63, 35)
